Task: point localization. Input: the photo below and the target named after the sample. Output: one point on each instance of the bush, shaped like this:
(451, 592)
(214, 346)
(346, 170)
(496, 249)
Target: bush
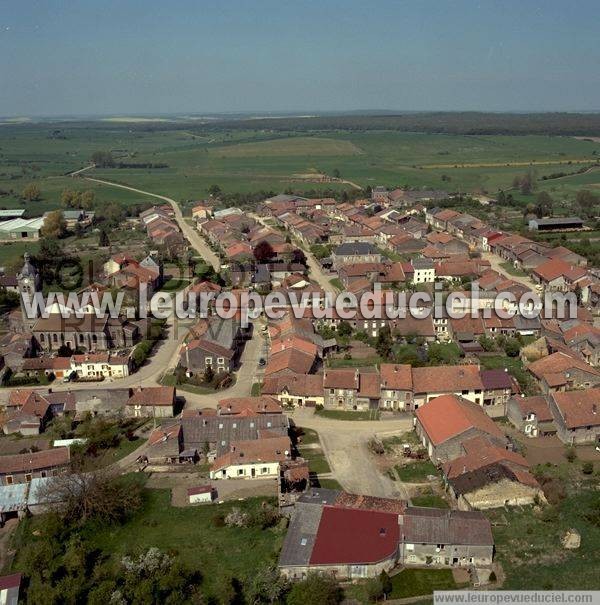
(571, 454)
(587, 468)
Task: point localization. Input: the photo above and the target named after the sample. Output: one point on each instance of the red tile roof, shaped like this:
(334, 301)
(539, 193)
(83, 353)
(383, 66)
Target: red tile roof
(396, 376)
(21, 463)
(153, 396)
(449, 416)
(445, 379)
(579, 408)
(353, 536)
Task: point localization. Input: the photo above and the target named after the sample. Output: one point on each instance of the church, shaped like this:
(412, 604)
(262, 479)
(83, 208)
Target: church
(87, 333)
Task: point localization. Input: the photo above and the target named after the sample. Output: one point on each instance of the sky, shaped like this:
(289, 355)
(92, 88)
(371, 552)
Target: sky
(127, 57)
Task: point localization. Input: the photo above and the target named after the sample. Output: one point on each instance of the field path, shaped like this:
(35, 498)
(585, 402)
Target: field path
(190, 233)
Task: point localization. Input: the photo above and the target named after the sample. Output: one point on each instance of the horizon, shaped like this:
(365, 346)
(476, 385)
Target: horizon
(145, 58)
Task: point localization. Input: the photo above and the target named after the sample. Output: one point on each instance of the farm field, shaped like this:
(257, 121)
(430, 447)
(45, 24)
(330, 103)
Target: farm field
(245, 161)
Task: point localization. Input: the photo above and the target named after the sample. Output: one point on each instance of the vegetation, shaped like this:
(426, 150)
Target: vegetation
(415, 472)
(349, 415)
(416, 582)
(155, 554)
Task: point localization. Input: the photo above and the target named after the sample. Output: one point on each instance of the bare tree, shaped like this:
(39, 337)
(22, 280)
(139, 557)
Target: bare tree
(100, 494)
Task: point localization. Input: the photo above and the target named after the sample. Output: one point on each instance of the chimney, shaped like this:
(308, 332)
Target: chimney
(594, 408)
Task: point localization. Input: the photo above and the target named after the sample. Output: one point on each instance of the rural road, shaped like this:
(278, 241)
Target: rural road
(496, 263)
(190, 233)
(344, 444)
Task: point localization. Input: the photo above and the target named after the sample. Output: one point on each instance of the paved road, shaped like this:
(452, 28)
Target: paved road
(190, 233)
(344, 443)
(316, 272)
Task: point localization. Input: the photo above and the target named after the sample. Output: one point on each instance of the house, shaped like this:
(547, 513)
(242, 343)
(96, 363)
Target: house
(432, 381)
(248, 406)
(447, 421)
(396, 386)
(355, 252)
(531, 415)
(216, 344)
(351, 389)
(9, 589)
(446, 538)
(22, 468)
(201, 494)
(296, 390)
(100, 365)
(577, 416)
(498, 386)
(490, 476)
(202, 212)
(562, 372)
(423, 271)
(59, 367)
(354, 536)
(252, 459)
(157, 402)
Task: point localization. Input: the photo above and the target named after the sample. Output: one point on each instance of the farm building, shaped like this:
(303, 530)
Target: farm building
(555, 224)
(20, 228)
(201, 494)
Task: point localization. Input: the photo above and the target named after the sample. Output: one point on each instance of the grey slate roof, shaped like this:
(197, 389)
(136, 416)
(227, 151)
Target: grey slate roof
(355, 249)
(442, 526)
(222, 429)
(300, 538)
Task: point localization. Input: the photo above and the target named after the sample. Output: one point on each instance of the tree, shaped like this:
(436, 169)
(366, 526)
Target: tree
(214, 190)
(336, 173)
(54, 225)
(315, 588)
(264, 252)
(512, 347)
(103, 240)
(299, 257)
(87, 199)
(344, 329)
(266, 586)
(386, 583)
(384, 342)
(31, 193)
(209, 374)
(544, 204)
(98, 494)
(103, 159)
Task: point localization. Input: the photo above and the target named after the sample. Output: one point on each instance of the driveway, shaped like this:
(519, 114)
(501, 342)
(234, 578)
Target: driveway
(344, 443)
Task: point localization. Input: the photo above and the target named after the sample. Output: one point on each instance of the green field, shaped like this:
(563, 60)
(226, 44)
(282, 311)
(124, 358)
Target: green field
(246, 161)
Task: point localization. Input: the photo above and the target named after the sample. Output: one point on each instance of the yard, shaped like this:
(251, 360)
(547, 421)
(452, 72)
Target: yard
(348, 415)
(190, 534)
(512, 270)
(416, 582)
(529, 548)
(415, 472)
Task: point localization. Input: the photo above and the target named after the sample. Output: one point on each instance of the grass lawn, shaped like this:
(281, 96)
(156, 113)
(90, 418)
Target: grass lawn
(308, 436)
(317, 463)
(175, 284)
(124, 448)
(347, 415)
(430, 500)
(329, 484)
(416, 582)
(512, 270)
(530, 551)
(255, 391)
(358, 362)
(189, 534)
(416, 472)
(336, 282)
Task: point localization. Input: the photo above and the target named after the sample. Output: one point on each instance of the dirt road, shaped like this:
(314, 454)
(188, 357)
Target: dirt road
(344, 443)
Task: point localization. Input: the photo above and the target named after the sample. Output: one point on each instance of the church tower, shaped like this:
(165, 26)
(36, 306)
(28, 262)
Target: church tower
(29, 282)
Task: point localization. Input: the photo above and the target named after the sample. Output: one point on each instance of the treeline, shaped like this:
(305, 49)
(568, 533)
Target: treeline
(474, 123)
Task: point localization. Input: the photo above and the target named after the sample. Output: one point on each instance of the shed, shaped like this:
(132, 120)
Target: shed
(200, 494)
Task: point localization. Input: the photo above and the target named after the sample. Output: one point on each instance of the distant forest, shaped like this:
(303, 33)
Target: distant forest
(577, 124)
(467, 123)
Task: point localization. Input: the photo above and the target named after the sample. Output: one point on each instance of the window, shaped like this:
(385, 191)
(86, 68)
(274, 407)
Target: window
(208, 361)
(240, 471)
(8, 479)
(264, 470)
(28, 477)
(220, 360)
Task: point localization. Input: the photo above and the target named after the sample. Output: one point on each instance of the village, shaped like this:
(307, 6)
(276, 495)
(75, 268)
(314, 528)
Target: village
(408, 432)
